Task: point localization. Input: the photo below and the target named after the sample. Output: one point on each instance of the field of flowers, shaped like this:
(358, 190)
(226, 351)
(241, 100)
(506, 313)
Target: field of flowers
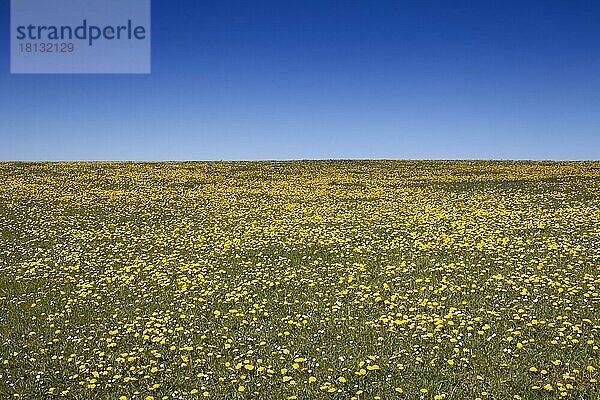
(300, 280)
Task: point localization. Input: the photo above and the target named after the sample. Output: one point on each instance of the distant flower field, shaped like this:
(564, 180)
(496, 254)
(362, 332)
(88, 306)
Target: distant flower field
(300, 280)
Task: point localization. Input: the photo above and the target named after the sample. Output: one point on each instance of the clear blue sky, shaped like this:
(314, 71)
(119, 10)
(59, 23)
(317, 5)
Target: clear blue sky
(323, 79)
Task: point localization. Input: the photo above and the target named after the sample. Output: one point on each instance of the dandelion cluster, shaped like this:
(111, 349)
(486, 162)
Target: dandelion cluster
(300, 280)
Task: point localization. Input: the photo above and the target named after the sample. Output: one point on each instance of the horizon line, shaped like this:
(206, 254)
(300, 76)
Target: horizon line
(154, 161)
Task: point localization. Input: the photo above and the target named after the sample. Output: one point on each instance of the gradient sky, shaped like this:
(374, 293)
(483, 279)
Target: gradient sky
(324, 79)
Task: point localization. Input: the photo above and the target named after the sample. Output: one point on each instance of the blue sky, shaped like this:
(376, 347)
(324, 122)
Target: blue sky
(324, 79)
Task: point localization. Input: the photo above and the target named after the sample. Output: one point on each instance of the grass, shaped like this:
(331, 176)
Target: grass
(307, 280)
